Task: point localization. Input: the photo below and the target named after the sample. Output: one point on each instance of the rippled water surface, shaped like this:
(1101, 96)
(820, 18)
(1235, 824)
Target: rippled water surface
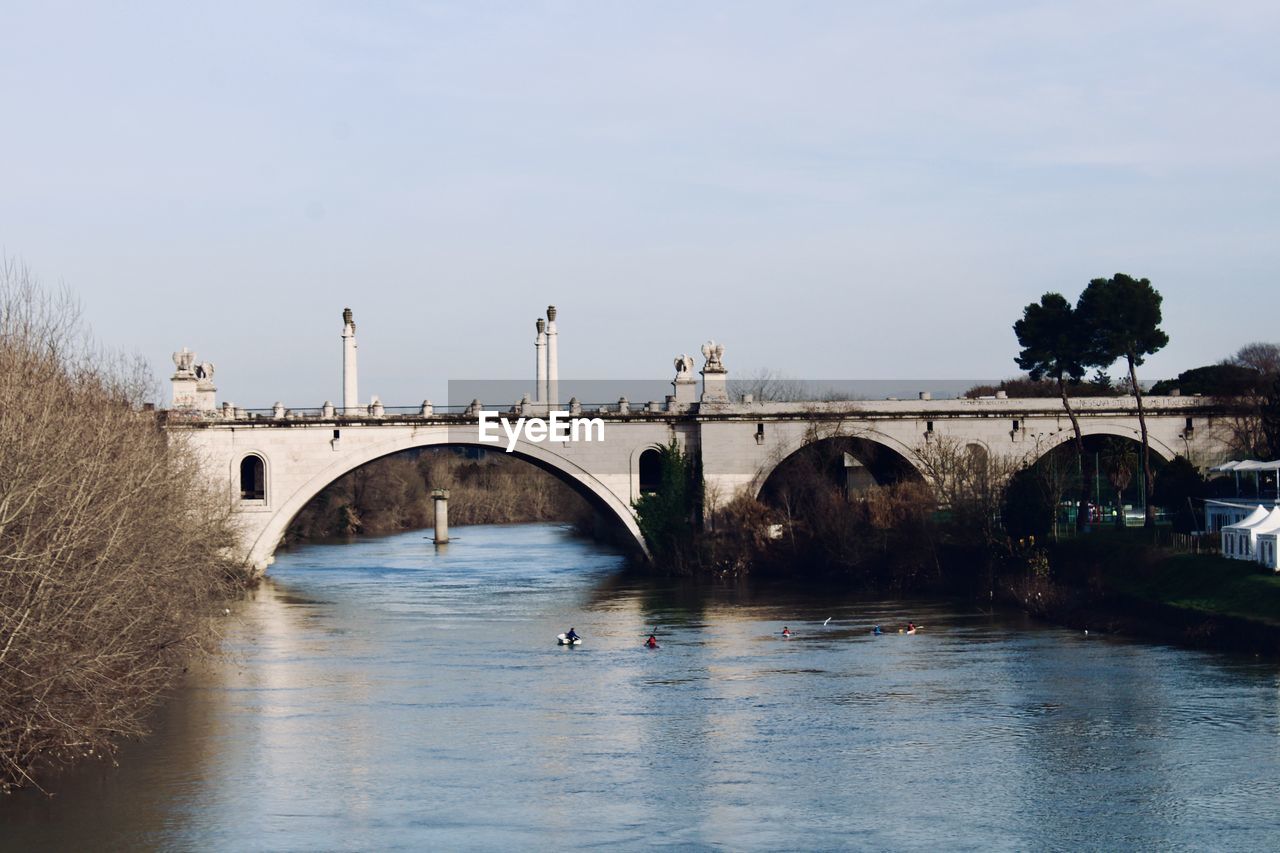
(381, 695)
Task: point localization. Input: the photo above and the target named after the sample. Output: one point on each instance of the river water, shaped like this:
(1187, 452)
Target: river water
(382, 695)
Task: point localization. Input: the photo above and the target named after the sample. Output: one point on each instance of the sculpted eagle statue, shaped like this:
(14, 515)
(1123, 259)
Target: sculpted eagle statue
(713, 353)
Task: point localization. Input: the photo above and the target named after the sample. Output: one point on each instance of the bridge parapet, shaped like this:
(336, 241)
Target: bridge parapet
(623, 411)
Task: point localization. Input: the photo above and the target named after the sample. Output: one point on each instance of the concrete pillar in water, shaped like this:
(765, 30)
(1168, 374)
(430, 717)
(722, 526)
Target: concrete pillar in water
(350, 398)
(441, 498)
(553, 360)
(540, 347)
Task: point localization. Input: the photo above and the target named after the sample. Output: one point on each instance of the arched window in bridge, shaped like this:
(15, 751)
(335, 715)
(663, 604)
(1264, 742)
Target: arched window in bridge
(978, 455)
(650, 471)
(253, 479)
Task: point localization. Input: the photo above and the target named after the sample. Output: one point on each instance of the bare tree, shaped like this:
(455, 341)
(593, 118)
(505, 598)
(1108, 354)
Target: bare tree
(969, 481)
(112, 544)
(1262, 357)
(770, 386)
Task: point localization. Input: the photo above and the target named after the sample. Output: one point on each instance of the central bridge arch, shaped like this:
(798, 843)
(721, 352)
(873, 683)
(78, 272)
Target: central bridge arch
(262, 552)
(895, 452)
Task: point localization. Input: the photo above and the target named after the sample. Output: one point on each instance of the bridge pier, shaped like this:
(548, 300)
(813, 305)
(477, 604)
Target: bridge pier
(441, 499)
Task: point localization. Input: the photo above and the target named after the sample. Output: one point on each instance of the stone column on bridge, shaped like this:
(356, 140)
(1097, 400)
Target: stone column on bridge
(184, 380)
(553, 361)
(685, 385)
(715, 378)
(350, 397)
(540, 350)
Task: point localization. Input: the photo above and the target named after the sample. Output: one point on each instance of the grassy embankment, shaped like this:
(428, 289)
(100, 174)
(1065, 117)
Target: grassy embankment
(1207, 583)
(1127, 581)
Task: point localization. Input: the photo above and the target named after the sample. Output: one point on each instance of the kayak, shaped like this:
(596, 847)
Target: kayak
(562, 640)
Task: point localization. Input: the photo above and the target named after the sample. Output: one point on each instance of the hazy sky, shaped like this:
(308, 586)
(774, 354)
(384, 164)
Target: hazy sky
(844, 189)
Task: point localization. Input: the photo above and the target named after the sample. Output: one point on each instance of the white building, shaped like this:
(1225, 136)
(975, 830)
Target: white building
(1220, 514)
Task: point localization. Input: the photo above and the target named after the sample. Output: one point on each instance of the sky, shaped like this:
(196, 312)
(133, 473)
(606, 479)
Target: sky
(830, 189)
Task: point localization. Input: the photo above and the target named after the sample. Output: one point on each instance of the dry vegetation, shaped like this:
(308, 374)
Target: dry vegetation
(942, 510)
(110, 544)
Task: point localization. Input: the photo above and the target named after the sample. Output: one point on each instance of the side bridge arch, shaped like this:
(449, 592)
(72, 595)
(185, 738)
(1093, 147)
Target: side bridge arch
(263, 532)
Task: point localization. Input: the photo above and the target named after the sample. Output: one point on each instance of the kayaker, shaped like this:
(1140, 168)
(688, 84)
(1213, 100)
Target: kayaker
(571, 635)
(911, 627)
(652, 642)
(876, 630)
(786, 632)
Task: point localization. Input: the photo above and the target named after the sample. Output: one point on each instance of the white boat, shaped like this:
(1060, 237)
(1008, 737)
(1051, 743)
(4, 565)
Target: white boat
(562, 640)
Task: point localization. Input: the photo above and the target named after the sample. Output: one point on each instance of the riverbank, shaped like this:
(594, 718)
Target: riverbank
(1123, 582)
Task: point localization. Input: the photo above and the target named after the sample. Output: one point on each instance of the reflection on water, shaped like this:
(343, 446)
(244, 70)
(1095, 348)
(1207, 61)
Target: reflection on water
(381, 695)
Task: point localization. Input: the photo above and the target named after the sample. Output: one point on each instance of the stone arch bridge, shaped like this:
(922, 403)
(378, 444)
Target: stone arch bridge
(272, 463)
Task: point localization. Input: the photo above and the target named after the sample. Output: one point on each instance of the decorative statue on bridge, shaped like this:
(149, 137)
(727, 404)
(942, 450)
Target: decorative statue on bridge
(713, 353)
(192, 382)
(183, 361)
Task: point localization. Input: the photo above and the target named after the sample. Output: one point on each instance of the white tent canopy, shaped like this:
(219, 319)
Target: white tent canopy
(1251, 465)
(1234, 541)
(1258, 514)
(1269, 550)
(1236, 466)
(1238, 540)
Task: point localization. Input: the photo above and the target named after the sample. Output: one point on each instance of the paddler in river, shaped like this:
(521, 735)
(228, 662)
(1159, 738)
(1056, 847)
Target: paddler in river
(786, 632)
(652, 642)
(570, 635)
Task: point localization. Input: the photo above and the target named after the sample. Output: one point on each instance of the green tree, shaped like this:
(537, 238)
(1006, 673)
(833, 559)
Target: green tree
(1178, 486)
(1054, 346)
(1122, 318)
(667, 517)
(1213, 380)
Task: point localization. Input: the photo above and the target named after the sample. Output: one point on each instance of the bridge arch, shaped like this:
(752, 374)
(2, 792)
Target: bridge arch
(262, 551)
(1055, 440)
(905, 456)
